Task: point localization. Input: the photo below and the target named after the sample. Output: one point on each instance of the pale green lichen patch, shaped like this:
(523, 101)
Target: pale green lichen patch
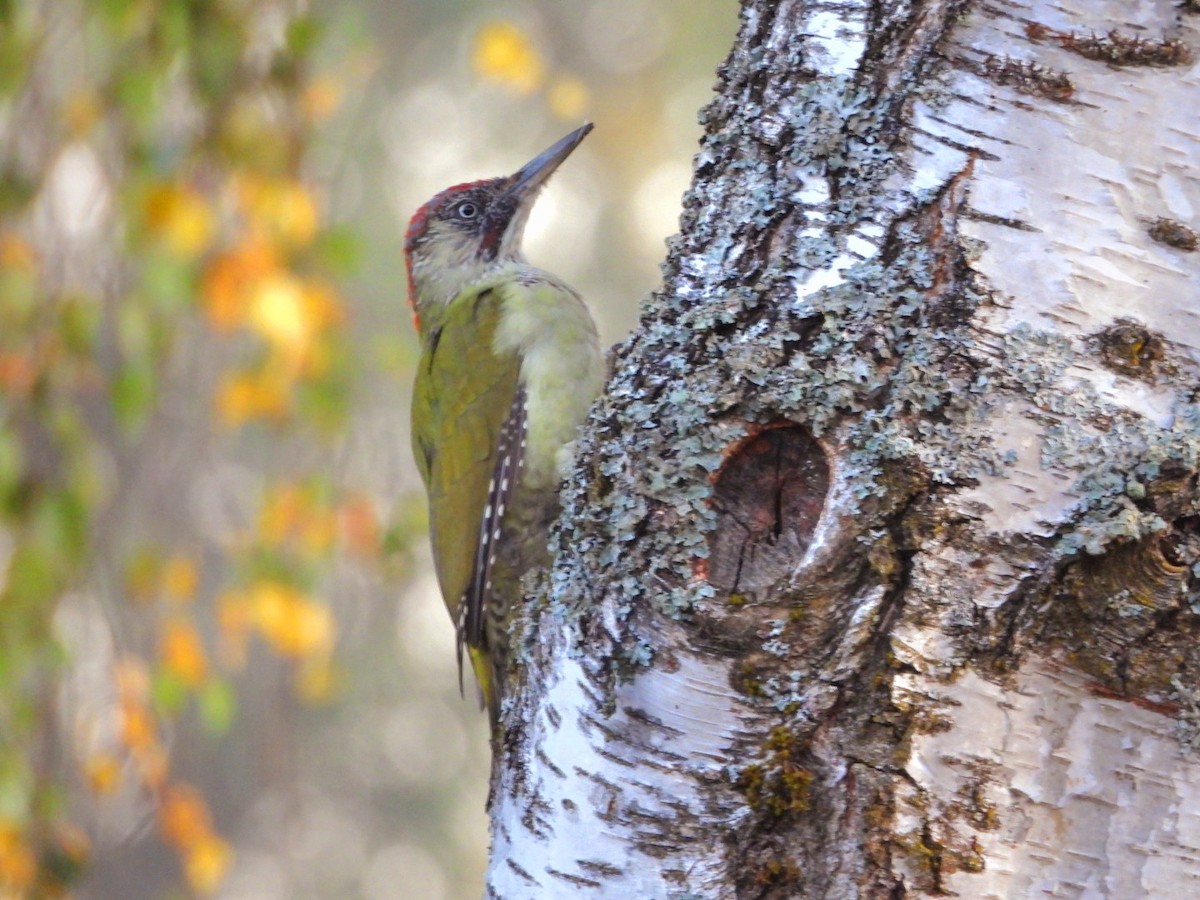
(1112, 451)
(883, 358)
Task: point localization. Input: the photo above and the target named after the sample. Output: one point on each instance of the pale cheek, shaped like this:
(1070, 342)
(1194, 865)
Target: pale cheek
(448, 264)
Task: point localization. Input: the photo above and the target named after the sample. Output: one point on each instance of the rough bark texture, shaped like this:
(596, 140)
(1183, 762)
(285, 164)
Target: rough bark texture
(882, 555)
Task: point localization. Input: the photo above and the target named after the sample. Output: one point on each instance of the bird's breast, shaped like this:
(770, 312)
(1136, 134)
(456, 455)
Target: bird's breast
(549, 327)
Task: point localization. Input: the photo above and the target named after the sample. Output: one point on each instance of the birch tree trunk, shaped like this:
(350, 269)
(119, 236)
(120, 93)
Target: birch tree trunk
(880, 566)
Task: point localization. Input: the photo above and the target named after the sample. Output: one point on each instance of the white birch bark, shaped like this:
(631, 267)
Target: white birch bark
(881, 551)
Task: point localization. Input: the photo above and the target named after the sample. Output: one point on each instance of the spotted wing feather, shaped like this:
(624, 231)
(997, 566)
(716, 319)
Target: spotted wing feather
(473, 607)
(462, 399)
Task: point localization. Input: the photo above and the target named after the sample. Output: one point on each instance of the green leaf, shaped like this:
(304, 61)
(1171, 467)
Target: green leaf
(33, 577)
(218, 705)
(60, 525)
(79, 321)
(302, 35)
(133, 393)
(134, 328)
(136, 91)
(18, 293)
(216, 51)
(12, 464)
(16, 787)
(16, 50)
(169, 692)
(339, 250)
(173, 27)
(167, 281)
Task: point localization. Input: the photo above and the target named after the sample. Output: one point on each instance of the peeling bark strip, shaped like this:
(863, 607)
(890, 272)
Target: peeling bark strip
(879, 572)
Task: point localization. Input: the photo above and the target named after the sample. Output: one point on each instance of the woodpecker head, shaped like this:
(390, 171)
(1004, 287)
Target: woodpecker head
(467, 229)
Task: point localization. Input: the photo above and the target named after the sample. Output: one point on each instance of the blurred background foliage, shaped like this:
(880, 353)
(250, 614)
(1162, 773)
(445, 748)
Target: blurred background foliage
(224, 669)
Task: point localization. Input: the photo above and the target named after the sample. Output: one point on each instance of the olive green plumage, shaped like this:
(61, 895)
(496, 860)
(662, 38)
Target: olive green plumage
(509, 365)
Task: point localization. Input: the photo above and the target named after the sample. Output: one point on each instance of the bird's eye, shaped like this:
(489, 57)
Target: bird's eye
(466, 210)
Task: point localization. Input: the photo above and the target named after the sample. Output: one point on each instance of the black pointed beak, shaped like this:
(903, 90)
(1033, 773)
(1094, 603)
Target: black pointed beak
(505, 217)
(531, 176)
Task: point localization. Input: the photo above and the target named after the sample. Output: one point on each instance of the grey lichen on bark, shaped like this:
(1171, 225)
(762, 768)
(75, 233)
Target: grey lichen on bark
(853, 475)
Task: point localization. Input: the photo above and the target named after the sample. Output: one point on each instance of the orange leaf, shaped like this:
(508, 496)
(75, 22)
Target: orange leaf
(183, 817)
(18, 372)
(133, 681)
(230, 280)
(233, 621)
(252, 395)
(18, 865)
(103, 772)
(16, 253)
(359, 526)
(153, 764)
(137, 727)
(183, 655)
(282, 512)
(320, 98)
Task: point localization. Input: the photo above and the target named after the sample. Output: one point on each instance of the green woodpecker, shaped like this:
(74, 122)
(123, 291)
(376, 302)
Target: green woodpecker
(509, 365)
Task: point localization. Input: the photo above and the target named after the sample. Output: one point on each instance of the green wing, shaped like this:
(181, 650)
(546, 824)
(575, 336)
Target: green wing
(462, 396)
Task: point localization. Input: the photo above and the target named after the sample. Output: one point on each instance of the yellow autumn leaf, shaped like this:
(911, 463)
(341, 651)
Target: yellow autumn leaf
(143, 571)
(316, 679)
(292, 623)
(82, 110)
(504, 54)
(206, 862)
(180, 578)
(103, 773)
(182, 653)
(280, 313)
(567, 98)
(320, 531)
(324, 310)
(281, 514)
(278, 209)
(181, 217)
(290, 513)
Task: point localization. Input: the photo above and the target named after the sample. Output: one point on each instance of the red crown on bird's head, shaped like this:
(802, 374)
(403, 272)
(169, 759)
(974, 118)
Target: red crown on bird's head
(488, 215)
(420, 222)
